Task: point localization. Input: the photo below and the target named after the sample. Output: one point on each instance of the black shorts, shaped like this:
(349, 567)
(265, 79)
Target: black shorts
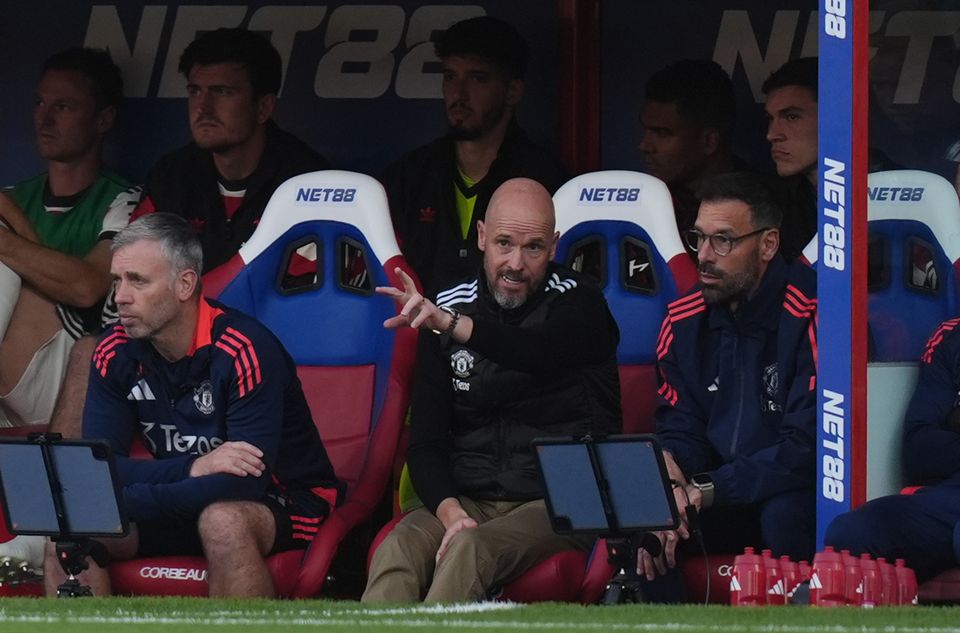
(297, 515)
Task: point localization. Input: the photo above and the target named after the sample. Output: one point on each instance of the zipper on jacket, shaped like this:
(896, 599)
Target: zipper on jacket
(735, 437)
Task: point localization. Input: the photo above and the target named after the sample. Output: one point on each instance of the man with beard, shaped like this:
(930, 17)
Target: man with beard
(440, 191)
(524, 349)
(222, 181)
(238, 470)
(737, 373)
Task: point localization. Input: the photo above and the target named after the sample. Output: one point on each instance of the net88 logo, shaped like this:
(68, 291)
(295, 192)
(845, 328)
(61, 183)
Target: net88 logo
(357, 50)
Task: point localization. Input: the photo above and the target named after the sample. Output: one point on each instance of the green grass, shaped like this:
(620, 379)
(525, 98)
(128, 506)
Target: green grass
(171, 615)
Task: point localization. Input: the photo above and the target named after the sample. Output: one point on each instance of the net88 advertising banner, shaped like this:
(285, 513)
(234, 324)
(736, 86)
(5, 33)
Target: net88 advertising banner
(361, 82)
(841, 254)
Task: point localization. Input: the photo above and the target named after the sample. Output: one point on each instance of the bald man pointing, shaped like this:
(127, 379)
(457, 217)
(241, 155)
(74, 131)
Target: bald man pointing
(524, 349)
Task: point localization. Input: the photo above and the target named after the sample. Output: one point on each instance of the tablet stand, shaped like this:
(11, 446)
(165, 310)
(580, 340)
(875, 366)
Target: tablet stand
(72, 555)
(73, 547)
(622, 553)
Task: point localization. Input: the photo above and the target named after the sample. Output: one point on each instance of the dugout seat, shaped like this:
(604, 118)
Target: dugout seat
(913, 261)
(618, 228)
(309, 272)
(912, 282)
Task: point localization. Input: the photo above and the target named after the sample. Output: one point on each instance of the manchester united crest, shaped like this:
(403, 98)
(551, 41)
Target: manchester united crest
(771, 380)
(203, 397)
(462, 363)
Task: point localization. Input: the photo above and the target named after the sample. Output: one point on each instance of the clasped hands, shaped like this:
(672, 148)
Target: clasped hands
(684, 495)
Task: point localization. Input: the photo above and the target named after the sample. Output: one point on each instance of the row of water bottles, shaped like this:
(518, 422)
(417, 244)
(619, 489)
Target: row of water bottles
(835, 579)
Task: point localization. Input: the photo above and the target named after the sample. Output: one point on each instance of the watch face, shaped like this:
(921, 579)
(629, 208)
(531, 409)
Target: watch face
(701, 480)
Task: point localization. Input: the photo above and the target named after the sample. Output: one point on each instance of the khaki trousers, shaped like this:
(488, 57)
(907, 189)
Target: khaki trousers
(511, 538)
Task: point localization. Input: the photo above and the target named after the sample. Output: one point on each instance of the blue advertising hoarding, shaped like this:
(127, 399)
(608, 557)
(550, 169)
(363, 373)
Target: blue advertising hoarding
(841, 196)
(360, 81)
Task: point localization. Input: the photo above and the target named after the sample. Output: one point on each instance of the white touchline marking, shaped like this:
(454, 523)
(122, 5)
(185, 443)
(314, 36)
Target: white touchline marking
(331, 618)
(360, 616)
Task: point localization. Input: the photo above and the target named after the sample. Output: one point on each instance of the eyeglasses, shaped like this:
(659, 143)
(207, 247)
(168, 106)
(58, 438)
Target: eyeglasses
(720, 243)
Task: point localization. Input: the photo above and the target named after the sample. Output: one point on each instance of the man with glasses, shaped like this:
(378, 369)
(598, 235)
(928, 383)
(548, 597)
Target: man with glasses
(737, 374)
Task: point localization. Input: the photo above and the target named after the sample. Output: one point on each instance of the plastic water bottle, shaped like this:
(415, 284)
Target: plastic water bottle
(872, 586)
(827, 579)
(748, 580)
(852, 578)
(906, 583)
(888, 582)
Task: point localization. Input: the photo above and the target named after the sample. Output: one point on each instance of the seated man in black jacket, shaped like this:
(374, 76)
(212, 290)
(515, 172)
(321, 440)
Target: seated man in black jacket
(524, 349)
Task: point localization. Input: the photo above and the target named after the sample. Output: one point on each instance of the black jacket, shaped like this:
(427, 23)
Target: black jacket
(547, 368)
(420, 187)
(184, 182)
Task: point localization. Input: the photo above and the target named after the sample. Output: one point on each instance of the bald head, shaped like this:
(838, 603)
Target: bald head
(518, 240)
(522, 198)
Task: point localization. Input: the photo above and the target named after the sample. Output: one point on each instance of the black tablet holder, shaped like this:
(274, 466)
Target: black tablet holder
(67, 490)
(615, 487)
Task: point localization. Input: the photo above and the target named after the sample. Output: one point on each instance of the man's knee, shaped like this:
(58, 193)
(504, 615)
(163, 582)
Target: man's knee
(409, 543)
(848, 531)
(236, 524)
(788, 524)
(467, 545)
(872, 527)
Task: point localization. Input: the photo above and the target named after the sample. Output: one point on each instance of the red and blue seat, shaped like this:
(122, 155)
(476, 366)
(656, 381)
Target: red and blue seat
(913, 261)
(912, 281)
(309, 272)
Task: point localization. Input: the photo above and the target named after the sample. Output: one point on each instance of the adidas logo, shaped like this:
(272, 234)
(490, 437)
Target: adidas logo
(141, 391)
(815, 582)
(715, 384)
(734, 584)
(777, 589)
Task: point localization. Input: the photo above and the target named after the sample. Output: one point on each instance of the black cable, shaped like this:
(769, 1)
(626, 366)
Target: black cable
(693, 525)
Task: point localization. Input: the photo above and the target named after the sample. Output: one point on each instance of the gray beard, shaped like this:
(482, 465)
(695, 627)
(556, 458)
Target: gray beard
(507, 302)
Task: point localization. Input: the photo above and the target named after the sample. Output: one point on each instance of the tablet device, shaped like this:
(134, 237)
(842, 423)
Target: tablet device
(63, 488)
(615, 485)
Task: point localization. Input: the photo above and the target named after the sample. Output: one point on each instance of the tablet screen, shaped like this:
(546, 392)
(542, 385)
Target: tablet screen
(89, 498)
(638, 495)
(26, 490)
(628, 470)
(572, 496)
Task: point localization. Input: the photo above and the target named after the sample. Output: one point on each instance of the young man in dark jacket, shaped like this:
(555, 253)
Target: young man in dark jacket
(222, 180)
(439, 191)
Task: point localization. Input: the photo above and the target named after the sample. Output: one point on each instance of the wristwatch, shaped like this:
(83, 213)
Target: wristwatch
(704, 483)
(454, 319)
